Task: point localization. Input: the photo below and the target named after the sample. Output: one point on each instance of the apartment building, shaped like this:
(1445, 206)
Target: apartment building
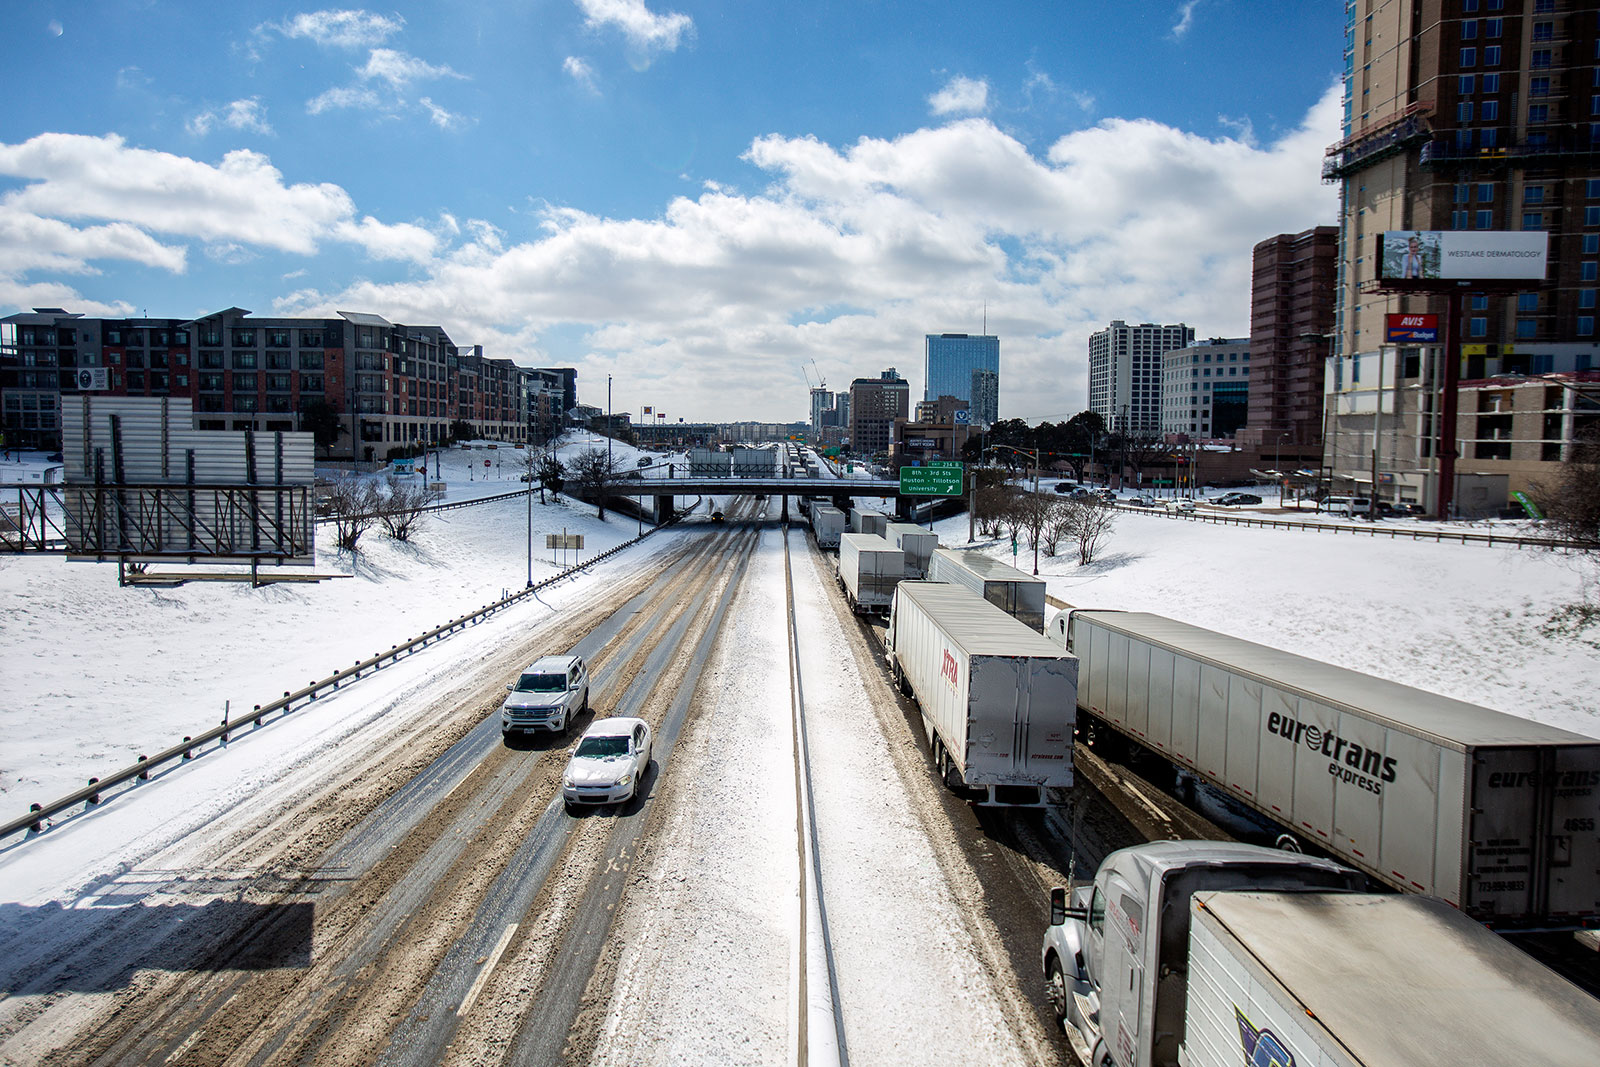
(874, 405)
(1125, 374)
(1206, 388)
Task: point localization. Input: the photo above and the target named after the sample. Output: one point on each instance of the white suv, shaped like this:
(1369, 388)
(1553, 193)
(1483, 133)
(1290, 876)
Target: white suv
(548, 694)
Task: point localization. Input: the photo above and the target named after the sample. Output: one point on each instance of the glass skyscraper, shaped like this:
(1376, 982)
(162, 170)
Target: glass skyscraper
(965, 366)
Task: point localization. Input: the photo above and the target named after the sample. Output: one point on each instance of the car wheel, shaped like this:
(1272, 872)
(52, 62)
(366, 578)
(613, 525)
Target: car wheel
(1288, 843)
(1055, 991)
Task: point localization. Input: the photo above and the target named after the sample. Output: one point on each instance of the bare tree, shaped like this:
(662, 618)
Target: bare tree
(1033, 515)
(1088, 523)
(354, 504)
(1572, 502)
(594, 473)
(552, 475)
(1057, 526)
(402, 508)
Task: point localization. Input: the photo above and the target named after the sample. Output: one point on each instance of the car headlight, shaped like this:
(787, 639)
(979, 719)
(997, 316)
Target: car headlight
(566, 780)
(625, 779)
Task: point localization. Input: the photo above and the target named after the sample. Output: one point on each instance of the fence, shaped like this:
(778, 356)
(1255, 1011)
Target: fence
(189, 746)
(1414, 533)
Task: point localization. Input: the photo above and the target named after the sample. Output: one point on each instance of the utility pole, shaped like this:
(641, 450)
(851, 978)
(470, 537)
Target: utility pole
(1377, 427)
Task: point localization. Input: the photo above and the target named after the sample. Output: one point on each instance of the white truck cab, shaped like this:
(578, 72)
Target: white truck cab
(546, 696)
(1116, 962)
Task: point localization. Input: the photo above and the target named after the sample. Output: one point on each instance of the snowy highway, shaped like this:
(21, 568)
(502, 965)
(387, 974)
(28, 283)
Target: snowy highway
(425, 897)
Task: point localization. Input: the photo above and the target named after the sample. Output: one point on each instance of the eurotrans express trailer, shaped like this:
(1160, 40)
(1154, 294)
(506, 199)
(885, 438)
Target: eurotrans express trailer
(1496, 815)
(998, 700)
(1360, 980)
(1015, 593)
(869, 569)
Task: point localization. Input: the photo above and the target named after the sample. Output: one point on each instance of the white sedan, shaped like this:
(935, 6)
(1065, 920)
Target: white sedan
(608, 763)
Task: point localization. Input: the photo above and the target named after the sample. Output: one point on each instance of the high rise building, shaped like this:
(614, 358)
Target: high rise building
(821, 408)
(874, 405)
(966, 366)
(1291, 315)
(1460, 115)
(1206, 388)
(1125, 369)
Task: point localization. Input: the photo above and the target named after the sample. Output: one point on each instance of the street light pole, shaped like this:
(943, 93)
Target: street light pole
(530, 528)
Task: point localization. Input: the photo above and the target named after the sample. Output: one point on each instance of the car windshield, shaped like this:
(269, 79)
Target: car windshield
(601, 747)
(542, 683)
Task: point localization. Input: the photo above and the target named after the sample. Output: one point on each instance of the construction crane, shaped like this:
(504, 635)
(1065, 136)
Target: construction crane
(822, 383)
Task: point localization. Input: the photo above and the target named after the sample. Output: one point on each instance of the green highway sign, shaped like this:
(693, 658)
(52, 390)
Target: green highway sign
(942, 479)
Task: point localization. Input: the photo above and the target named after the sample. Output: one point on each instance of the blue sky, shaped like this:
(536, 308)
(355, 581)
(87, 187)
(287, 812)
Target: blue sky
(696, 198)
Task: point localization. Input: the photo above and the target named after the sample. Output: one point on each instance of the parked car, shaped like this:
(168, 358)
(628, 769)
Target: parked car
(1231, 499)
(1142, 501)
(608, 764)
(546, 696)
(1180, 505)
(1066, 487)
(1345, 505)
(1409, 508)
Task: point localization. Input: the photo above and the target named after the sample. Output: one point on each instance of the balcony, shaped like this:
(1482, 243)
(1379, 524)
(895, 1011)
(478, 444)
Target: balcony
(1562, 145)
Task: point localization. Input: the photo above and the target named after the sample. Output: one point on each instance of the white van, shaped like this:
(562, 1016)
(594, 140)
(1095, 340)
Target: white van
(1346, 505)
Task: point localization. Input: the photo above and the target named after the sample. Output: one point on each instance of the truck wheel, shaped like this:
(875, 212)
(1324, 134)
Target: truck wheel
(1055, 990)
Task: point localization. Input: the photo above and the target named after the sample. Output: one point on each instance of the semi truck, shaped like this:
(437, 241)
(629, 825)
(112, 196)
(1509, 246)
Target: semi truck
(867, 521)
(997, 698)
(917, 543)
(1498, 816)
(1015, 593)
(869, 569)
(827, 524)
(1207, 954)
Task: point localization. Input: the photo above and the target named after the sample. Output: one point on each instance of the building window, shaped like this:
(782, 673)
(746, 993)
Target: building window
(310, 360)
(1540, 60)
(1533, 194)
(1491, 137)
(1469, 5)
(1479, 328)
(1469, 57)
(1486, 193)
(1589, 271)
(244, 361)
(1586, 298)
(1492, 27)
(1538, 112)
(1533, 220)
(1491, 110)
(244, 338)
(1527, 301)
(1544, 31)
(1485, 220)
(1464, 84)
(1480, 302)
(1539, 87)
(1527, 329)
(1591, 216)
(1463, 193)
(1464, 111)
(244, 383)
(1591, 244)
(1585, 325)
(1491, 55)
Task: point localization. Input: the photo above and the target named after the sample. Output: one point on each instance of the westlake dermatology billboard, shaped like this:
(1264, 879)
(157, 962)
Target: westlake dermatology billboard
(1451, 255)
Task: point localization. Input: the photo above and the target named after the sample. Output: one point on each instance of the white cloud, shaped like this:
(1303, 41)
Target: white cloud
(247, 114)
(961, 96)
(54, 28)
(445, 120)
(1128, 219)
(644, 30)
(358, 98)
(579, 70)
(229, 253)
(240, 206)
(339, 29)
(1180, 29)
(399, 69)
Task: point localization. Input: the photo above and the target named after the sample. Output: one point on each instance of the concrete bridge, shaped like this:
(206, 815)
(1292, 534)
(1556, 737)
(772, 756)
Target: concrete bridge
(840, 491)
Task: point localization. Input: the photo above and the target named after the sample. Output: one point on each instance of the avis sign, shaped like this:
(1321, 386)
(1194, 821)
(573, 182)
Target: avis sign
(935, 479)
(1411, 329)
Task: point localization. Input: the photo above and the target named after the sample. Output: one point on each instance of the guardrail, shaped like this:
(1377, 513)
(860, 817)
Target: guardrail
(1415, 533)
(33, 822)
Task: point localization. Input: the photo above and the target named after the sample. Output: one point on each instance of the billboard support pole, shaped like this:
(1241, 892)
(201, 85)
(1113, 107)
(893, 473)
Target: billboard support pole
(1445, 496)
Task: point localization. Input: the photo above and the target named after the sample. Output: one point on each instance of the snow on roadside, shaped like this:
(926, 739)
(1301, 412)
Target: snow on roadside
(1462, 620)
(94, 674)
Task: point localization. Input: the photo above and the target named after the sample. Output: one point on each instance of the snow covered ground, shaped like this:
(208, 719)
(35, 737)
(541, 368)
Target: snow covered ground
(1469, 621)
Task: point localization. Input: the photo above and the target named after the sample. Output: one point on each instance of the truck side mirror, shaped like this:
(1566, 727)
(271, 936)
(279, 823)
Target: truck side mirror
(1058, 906)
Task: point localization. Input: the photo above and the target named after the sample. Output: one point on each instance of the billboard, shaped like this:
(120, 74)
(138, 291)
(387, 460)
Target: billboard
(1450, 255)
(1411, 329)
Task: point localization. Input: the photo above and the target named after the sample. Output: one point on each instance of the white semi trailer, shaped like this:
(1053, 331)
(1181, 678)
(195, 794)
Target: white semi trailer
(1018, 595)
(867, 521)
(869, 569)
(1497, 815)
(997, 698)
(917, 543)
(1205, 954)
(827, 524)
